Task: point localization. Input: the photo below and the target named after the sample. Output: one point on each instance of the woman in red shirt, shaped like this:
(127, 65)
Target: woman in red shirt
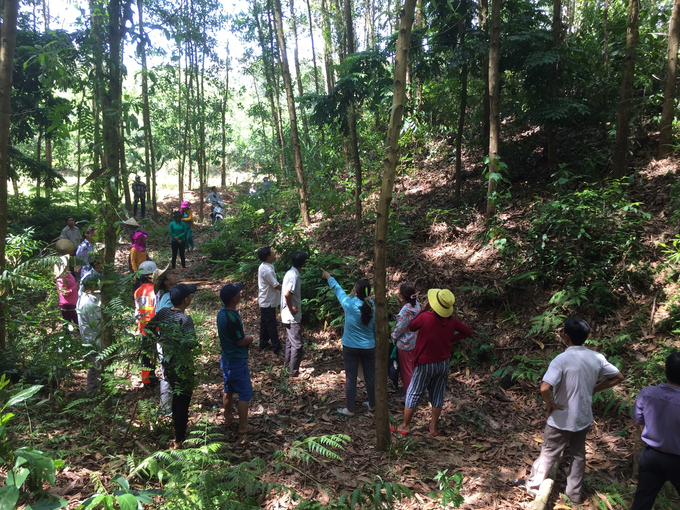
(437, 332)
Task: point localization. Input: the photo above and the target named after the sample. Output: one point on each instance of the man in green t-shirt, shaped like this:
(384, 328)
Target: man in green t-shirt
(234, 363)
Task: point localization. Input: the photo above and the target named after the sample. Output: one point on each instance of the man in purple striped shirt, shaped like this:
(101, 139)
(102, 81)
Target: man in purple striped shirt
(658, 409)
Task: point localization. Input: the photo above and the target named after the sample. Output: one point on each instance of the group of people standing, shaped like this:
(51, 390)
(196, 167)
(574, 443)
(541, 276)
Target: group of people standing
(423, 335)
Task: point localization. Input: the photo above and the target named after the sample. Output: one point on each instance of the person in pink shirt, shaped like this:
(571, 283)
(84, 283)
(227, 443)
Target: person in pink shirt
(67, 286)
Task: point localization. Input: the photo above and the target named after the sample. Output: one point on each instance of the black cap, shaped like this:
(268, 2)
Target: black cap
(180, 292)
(229, 291)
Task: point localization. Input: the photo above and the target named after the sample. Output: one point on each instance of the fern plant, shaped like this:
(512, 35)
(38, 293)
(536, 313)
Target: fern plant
(301, 451)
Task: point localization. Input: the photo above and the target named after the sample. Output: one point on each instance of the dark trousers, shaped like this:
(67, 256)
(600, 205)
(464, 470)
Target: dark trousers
(181, 398)
(293, 349)
(268, 330)
(177, 246)
(68, 312)
(141, 199)
(352, 356)
(655, 468)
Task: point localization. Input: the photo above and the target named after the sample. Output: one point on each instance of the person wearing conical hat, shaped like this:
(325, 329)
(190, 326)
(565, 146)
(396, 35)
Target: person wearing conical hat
(437, 331)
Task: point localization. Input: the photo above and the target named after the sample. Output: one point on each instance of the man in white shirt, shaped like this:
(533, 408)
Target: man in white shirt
(268, 297)
(572, 379)
(71, 232)
(291, 313)
(213, 197)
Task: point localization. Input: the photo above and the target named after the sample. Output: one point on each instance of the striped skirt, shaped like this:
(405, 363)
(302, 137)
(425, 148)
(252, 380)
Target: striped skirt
(431, 377)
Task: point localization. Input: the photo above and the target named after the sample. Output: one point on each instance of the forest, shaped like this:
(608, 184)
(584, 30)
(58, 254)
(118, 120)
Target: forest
(514, 161)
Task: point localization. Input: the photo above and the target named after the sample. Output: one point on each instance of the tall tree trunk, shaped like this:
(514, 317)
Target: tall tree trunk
(202, 164)
(149, 155)
(111, 103)
(622, 128)
(352, 118)
(327, 47)
(486, 123)
(270, 77)
(180, 131)
(298, 74)
(8, 38)
(15, 187)
(389, 172)
(553, 165)
(38, 157)
(494, 102)
(79, 166)
(461, 116)
(48, 163)
(225, 99)
(418, 85)
(668, 112)
(311, 36)
(275, 82)
(186, 142)
(285, 71)
(605, 25)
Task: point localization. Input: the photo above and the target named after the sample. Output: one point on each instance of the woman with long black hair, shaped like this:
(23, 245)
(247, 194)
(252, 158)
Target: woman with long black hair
(358, 340)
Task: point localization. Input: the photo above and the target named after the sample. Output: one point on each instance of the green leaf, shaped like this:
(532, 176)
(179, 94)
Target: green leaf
(127, 502)
(120, 480)
(23, 395)
(48, 504)
(9, 495)
(17, 477)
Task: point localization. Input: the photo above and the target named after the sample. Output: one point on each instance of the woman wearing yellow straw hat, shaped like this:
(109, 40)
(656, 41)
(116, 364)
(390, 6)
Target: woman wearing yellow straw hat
(437, 331)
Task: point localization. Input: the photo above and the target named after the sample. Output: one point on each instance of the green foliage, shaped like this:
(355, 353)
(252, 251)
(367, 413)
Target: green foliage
(127, 499)
(528, 369)
(672, 251)
(499, 196)
(318, 299)
(449, 487)
(582, 239)
(302, 450)
(26, 468)
(47, 216)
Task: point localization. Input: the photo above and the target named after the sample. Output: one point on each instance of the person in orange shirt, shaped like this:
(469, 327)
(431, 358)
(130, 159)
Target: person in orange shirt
(138, 250)
(188, 222)
(145, 309)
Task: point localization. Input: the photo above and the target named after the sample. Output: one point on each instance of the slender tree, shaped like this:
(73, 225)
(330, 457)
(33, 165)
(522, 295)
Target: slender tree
(297, 152)
(352, 121)
(668, 112)
(111, 101)
(311, 37)
(8, 38)
(494, 101)
(486, 124)
(270, 77)
(296, 60)
(461, 115)
(382, 218)
(149, 152)
(622, 128)
(223, 113)
(327, 47)
(553, 165)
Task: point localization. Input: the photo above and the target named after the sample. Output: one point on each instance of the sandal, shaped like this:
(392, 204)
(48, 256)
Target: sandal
(394, 428)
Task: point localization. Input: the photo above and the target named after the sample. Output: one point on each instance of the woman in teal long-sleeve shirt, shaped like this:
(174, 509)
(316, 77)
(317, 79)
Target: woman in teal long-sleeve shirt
(358, 340)
(178, 237)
